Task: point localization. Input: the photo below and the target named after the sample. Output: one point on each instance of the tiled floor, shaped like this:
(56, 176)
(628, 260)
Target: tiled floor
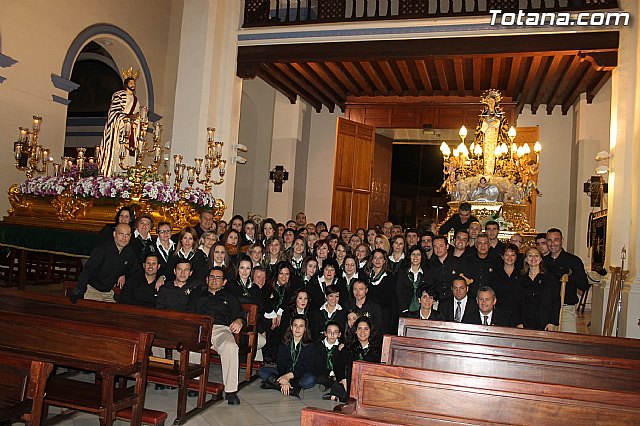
(258, 407)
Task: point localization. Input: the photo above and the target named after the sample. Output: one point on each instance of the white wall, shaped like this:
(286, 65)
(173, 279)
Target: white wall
(592, 136)
(322, 144)
(256, 130)
(556, 135)
(37, 34)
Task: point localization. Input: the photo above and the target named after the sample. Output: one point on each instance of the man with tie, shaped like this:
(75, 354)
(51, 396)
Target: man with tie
(485, 313)
(456, 307)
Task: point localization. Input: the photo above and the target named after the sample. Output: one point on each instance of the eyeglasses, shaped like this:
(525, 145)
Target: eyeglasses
(216, 277)
(164, 231)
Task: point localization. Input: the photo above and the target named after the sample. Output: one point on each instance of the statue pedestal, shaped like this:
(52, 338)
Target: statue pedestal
(513, 217)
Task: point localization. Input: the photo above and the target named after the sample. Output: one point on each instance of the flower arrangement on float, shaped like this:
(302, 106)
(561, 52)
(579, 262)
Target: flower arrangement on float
(78, 194)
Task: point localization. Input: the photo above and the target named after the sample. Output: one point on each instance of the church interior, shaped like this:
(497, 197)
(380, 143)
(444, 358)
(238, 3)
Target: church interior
(356, 113)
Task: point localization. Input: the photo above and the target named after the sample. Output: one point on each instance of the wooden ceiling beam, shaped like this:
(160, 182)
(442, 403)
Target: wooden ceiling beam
(336, 69)
(495, 72)
(565, 79)
(353, 70)
(459, 68)
(513, 76)
(265, 74)
(419, 48)
(532, 82)
(305, 71)
(596, 85)
(442, 76)
(381, 87)
(328, 80)
(477, 70)
(391, 77)
(583, 75)
(277, 73)
(550, 81)
(522, 76)
(405, 71)
(424, 76)
(290, 71)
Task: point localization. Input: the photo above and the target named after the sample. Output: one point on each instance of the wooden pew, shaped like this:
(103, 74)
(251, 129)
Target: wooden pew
(314, 416)
(179, 331)
(620, 352)
(510, 363)
(107, 351)
(416, 396)
(22, 385)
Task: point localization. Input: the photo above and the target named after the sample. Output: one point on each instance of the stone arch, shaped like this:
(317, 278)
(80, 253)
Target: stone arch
(124, 50)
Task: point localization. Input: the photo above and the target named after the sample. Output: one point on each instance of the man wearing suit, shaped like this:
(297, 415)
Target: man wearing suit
(457, 307)
(484, 313)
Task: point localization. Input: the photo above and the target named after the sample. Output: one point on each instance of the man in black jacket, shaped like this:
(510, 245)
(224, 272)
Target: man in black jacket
(455, 308)
(486, 314)
(109, 265)
(560, 262)
(228, 319)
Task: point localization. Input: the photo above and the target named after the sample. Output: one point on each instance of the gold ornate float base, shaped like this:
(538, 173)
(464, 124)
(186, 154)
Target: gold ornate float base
(514, 214)
(91, 214)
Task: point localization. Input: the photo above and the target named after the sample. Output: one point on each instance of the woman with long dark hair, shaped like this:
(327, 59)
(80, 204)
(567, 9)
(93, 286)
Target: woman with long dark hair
(382, 290)
(123, 215)
(409, 280)
(295, 366)
(366, 346)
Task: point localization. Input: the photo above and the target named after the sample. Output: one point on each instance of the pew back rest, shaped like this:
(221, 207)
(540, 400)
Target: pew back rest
(510, 363)
(412, 396)
(73, 343)
(570, 343)
(174, 330)
(22, 384)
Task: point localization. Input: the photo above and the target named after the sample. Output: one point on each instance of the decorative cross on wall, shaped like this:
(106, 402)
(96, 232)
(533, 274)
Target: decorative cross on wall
(278, 176)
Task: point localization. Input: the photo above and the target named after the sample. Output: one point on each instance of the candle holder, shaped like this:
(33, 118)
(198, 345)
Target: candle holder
(29, 156)
(138, 170)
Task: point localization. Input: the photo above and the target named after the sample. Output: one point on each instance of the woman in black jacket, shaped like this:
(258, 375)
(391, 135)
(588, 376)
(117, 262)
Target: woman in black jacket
(426, 298)
(409, 280)
(296, 361)
(537, 301)
(367, 346)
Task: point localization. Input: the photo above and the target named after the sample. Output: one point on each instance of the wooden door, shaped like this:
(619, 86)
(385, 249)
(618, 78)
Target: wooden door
(352, 174)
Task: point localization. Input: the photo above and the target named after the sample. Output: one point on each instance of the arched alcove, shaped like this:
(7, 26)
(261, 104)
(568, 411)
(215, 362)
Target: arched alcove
(103, 49)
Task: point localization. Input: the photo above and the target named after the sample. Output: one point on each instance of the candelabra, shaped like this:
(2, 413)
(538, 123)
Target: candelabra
(140, 151)
(29, 156)
(213, 160)
(514, 162)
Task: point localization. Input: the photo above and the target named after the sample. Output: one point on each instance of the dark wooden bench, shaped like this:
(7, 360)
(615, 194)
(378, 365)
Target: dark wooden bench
(511, 363)
(106, 351)
(618, 351)
(22, 385)
(314, 416)
(183, 332)
(417, 396)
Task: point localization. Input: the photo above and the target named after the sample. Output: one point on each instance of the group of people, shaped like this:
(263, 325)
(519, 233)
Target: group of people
(325, 295)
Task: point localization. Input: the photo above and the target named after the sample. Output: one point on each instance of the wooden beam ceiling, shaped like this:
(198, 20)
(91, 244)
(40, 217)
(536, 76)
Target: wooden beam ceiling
(551, 69)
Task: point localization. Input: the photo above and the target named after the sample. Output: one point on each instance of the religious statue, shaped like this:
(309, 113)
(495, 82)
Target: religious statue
(485, 192)
(122, 126)
(492, 128)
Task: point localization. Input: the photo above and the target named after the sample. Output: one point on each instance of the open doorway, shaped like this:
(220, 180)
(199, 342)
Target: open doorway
(97, 74)
(416, 175)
